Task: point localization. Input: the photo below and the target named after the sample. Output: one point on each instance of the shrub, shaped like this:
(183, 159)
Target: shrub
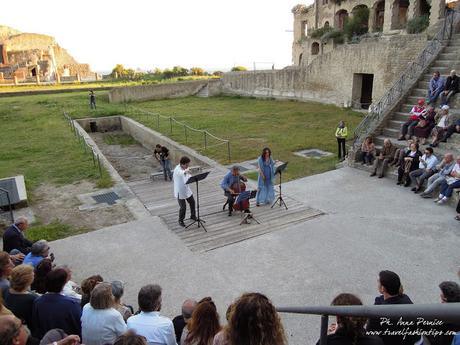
(239, 69)
(319, 33)
(357, 25)
(336, 35)
(418, 24)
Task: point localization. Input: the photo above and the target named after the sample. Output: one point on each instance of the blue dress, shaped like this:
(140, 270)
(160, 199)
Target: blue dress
(266, 190)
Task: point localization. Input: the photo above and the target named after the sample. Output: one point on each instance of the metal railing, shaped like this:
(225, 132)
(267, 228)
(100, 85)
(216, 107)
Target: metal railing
(4, 192)
(172, 125)
(87, 148)
(446, 312)
(411, 75)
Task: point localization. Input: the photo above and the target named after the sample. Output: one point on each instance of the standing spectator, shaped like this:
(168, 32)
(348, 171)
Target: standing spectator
(117, 291)
(266, 175)
(367, 151)
(451, 87)
(407, 129)
(19, 299)
(92, 100)
(6, 266)
(100, 323)
(13, 237)
(426, 168)
(161, 154)
(38, 252)
(443, 170)
(180, 321)
(436, 87)
(53, 310)
(44, 267)
(182, 191)
(425, 125)
(410, 163)
(87, 285)
(149, 323)
(449, 184)
(253, 320)
(341, 134)
(384, 158)
(203, 326)
(443, 121)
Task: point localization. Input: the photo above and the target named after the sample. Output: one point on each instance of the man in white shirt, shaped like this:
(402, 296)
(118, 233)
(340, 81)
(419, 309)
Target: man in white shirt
(182, 190)
(449, 184)
(149, 323)
(426, 169)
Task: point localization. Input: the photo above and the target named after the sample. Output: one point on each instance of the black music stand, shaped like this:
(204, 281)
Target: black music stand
(248, 215)
(197, 178)
(279, 170)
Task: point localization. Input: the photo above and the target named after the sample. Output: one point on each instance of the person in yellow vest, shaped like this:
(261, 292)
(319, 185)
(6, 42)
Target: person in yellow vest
(341, 134)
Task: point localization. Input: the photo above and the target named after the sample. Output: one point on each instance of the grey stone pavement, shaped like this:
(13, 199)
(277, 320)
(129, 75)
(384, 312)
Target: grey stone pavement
(370, 224)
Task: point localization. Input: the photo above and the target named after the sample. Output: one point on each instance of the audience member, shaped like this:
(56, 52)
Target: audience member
(443, 170)
(384, 158)
(367, 151)
(44, 267)
(451, 182)
(443, 121)
(38, 252)
(130, 338)
(401, 152)
(455, 128)
(87, 286)
(253, 320)
(100, 322)
(435, 88)
(426, 169)
(407, 129)
(425, 125)
(13, 237)
(451, 87)
(59, 337)
(149, 323)
(6, 266)
(450, 292)
(19, 299)
(410, 163)
(71, 289)
(117, 291)
(180, 321)
(4, 310)
(203, 325)
(53, 310)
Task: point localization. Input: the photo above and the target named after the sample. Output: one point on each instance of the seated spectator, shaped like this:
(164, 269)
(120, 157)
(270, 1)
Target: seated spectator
(455, 128)
(117, 291)
(435, 88)
(59, 337)
(426, 169)
(100, 322)
(14, 239)
(53, 310)
(6, 266)
(130, 338)
(149, 323)
(443, 170)
(19, 299)
(389, 285)
(350, 330)
(38, 252)
(4, 310)
(180, 321)
(443, 121)
(384, 158)
(87, 286)
(425, 125)
(253, 320)
(44, 267)
(400, 153)
(367, 151)
(451, 87)
(410, 163)
(407, 129)
(71, 289)
(203, 325)
(451, 182)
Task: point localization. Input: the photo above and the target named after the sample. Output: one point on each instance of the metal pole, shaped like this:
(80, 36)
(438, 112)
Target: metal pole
(229, 153)
(205, 140)
(324, 325)
(9, 205)
(99, 165)
(185, 130)
(170, 124)
(158, 121)
(92, 156)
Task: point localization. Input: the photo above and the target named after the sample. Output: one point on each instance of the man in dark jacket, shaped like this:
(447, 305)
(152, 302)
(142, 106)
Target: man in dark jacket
(451, 87)
(13, 237)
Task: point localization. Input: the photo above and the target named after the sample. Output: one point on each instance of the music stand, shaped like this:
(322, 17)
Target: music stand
(279, 170)
(196, 179)
(247, 195)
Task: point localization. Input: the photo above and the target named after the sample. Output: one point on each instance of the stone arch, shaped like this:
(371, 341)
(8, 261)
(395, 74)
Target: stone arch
(315, 48)
(365, 23)
(377, 16)
(326, 24)
(339, 19)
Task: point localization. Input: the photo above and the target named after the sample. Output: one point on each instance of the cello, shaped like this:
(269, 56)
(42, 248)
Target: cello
(240, 187)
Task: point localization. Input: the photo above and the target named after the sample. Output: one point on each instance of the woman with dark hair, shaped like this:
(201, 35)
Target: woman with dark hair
(266, 168)
(368, 151)
(349, 330)
(253, 321)
(87, 285)
(43, 268)
(203, 325)
(117, 291)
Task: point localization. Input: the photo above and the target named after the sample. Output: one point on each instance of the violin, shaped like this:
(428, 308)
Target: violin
(238, 188)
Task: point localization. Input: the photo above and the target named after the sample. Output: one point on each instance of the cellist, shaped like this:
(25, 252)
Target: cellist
(232, 186)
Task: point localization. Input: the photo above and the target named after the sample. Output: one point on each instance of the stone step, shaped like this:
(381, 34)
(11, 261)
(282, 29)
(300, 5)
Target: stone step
(454, 43)
(419, 93)
(449, 56)
(395, 124)
(446, 63)
(391, 132)
(451, 49)
(441, 69)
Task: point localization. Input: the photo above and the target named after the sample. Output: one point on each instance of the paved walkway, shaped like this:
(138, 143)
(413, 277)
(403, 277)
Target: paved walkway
(369, 225)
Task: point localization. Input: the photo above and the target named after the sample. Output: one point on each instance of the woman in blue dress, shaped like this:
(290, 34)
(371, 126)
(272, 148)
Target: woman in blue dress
(266, 167)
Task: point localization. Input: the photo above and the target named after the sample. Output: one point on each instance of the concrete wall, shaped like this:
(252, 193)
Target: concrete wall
(162, 91)
(329, 78)
(104, 124)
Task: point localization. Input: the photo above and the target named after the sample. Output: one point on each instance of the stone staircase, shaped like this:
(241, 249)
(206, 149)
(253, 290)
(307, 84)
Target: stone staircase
(204, 92)
(448, 59)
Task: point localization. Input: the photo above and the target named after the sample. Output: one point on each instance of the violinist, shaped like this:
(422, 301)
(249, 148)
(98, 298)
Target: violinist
(232, 186)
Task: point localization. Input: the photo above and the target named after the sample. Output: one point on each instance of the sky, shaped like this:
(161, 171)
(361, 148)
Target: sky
(212, 34)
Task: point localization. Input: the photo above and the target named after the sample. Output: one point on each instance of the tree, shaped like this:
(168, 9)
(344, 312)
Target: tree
(197, 71)
(179, 71)
(218, 73)
(118, 71)
(239, 69)
(157, 71)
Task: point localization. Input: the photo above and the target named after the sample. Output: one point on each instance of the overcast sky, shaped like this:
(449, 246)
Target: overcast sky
(213, 34)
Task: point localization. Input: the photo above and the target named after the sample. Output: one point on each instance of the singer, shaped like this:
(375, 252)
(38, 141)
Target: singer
(182, 190)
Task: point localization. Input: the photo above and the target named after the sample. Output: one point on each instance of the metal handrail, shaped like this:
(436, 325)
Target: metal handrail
(446, 312)
(412, 73)
(9, 203)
